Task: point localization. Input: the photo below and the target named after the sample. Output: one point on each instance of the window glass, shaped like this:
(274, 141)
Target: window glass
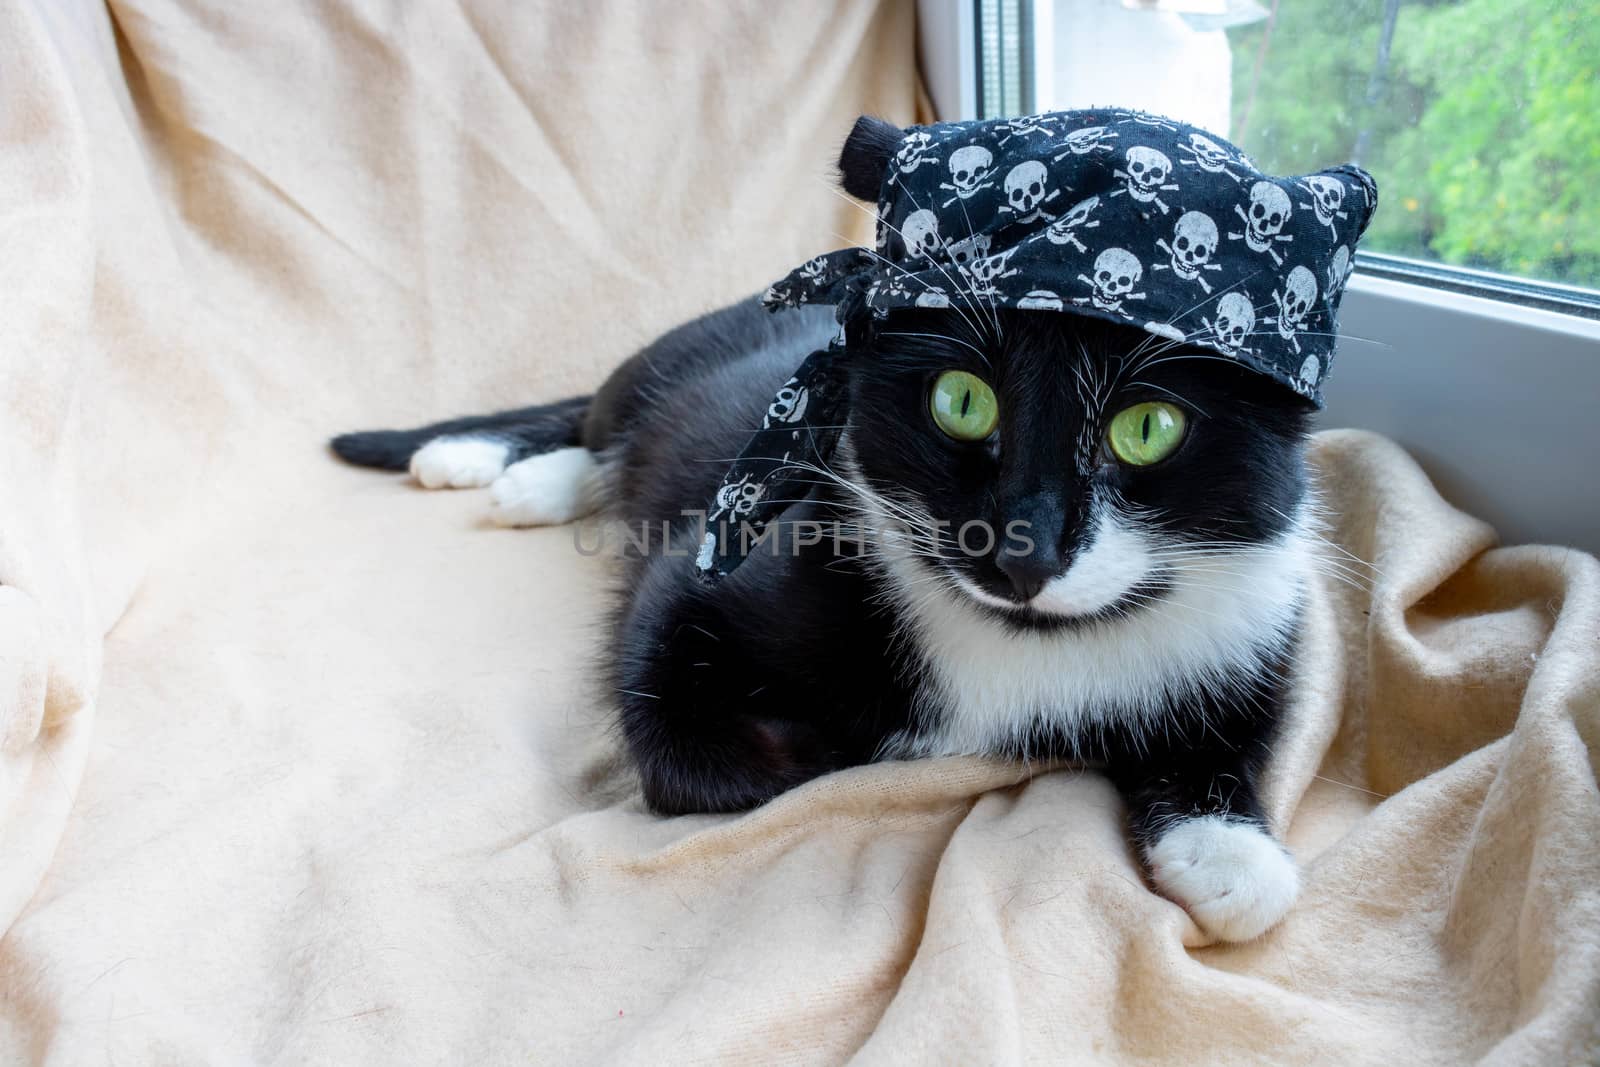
(1479, 118)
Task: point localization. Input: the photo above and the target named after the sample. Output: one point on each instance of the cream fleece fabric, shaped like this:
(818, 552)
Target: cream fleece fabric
(302, 764)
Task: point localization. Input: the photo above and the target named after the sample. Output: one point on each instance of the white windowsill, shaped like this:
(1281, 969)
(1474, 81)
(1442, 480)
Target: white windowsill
(1495, 399)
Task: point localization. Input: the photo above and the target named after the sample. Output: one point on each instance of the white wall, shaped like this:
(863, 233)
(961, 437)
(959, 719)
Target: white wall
(1101, 53)
(1088, 53)
(945, 45)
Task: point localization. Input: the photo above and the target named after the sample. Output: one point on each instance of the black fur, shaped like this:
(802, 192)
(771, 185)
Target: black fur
(791, 667)
(798, 663)
(528, 431)
(864, 159)
(1237, 476)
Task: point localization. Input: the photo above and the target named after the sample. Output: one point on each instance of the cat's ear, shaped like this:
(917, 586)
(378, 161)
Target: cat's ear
(1361, 195)
(864, 159)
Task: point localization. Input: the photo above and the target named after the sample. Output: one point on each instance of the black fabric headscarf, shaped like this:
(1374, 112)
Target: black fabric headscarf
(1112, 214)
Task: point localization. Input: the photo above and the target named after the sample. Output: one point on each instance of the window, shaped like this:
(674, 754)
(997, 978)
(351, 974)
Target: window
(1479, 118)
(1472, 323)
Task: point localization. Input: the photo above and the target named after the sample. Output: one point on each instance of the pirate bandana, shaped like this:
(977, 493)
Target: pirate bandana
(1116, 215)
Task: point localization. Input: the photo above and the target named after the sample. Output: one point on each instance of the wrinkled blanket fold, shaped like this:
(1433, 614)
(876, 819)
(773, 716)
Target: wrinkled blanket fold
(302, 764)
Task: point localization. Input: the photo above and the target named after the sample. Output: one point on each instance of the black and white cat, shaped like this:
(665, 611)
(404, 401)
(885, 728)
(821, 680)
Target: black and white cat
(1148, 631)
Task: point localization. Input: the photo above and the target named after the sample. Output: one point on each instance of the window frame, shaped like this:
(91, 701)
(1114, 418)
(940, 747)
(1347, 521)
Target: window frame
(1527, 292)
(1514, 439)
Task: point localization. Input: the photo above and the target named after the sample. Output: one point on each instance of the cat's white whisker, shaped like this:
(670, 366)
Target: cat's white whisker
(999, 333)
(906, 273)
(940, 337)
(1168, 392)
(896, 230)
(994, 313)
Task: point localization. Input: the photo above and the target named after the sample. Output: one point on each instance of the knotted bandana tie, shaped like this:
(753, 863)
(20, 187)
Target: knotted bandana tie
(1116, 215)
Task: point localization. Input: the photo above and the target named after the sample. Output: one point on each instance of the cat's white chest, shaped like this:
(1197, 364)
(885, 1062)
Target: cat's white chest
(988, 687)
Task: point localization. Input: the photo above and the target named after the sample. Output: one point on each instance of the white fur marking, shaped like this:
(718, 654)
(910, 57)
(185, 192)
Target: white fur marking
(989, 684)
(1101, 574)
(464, 462)
(547, 490)
(1231, 876)
(1114, 561)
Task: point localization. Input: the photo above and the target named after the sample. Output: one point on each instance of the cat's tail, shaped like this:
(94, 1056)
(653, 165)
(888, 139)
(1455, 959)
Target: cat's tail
(523, 432)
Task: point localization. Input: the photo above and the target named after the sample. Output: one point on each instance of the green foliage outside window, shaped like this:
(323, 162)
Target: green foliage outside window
(1483, 131)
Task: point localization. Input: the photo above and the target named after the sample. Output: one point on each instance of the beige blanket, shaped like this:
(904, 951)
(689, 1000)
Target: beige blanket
(302, 764)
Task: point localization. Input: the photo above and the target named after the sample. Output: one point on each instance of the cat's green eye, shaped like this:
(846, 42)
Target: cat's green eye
(964, 406)
(1146, 433)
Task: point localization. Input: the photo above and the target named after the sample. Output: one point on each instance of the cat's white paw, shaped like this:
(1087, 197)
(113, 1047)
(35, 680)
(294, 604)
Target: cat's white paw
(546, 490)
(459, 462)
(1231, 876)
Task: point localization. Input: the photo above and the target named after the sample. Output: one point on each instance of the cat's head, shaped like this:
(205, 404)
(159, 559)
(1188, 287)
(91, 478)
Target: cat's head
(1057, 468)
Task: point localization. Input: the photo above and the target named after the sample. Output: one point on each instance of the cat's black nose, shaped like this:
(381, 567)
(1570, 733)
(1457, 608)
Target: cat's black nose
(1028, 572)
(1030, 555)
